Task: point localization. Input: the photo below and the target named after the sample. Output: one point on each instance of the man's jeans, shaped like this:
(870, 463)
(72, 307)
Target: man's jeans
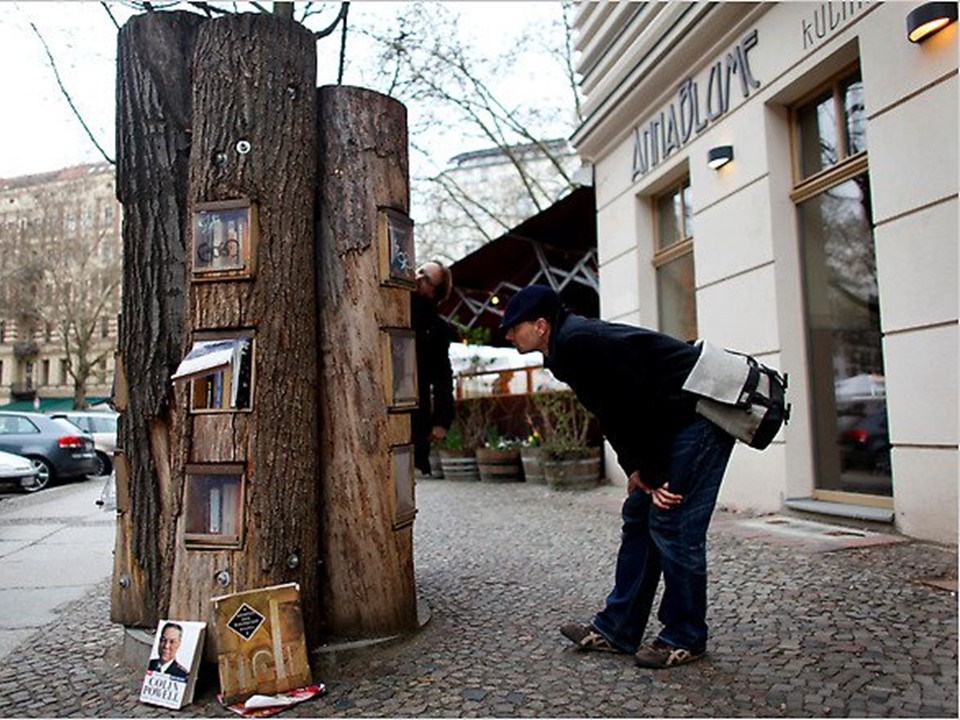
(672, 541)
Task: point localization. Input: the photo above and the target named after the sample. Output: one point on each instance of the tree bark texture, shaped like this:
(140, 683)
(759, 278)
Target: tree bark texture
(367, 579)
(254, 81)
(154, 76)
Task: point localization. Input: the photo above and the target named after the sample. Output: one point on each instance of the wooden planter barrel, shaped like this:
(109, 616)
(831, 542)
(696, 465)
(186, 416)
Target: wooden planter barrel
(532, 461)
(581, 473)
(496, 465)
(459, 464)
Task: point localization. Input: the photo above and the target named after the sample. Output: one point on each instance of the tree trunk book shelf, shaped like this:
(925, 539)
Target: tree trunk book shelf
(271, 366)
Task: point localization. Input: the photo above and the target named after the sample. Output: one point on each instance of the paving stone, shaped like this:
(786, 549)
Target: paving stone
(795, 631)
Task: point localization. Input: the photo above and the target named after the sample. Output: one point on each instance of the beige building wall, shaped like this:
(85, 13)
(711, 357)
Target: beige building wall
(749, 294)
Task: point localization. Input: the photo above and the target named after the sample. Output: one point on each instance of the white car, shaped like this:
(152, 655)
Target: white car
(103, 427)
(18, 470)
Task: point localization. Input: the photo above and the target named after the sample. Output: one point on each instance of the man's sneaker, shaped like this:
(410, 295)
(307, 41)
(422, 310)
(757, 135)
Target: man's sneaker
(660, 655)
(586, 638)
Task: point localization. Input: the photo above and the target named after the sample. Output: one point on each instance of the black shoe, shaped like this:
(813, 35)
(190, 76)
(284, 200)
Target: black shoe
(586, 638)
(660, 655)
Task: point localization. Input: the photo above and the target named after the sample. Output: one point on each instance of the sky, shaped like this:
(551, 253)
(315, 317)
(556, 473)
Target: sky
(39, 132)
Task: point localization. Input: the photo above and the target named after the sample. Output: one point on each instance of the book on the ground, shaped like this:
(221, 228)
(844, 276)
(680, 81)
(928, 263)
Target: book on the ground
(260, 642)
(175, 656)
(266, 705)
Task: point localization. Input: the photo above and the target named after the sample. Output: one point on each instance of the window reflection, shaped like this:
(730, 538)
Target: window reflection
(676, 288)
(676, 294)
(855, 114)
(817, 126)
(843, 316)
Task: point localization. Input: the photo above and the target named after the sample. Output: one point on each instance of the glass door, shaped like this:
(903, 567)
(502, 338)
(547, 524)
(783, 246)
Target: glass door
(852, 443)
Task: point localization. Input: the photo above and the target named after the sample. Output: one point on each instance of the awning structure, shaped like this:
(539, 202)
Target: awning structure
(557, 247)
(50, 404)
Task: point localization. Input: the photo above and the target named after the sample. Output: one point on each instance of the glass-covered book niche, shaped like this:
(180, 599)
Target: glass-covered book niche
(213, 505)
(220, 372)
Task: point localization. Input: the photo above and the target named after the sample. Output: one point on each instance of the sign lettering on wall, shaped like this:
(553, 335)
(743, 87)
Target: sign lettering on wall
(698, 103)
(826, 18)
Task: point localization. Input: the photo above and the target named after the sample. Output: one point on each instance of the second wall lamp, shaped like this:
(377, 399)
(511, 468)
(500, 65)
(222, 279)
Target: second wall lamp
(930, 18)
(719, 156)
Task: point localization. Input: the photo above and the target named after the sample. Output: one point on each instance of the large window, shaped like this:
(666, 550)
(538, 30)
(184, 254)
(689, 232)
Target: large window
(852, 442)
(676, 291)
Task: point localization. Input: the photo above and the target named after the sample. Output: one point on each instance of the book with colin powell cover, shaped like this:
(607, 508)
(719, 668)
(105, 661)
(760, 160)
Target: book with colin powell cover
(174, 663)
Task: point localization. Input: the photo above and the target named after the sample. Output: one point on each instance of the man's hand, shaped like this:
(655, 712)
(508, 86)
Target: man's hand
(439, 432)
(661, 496)
(664, 499)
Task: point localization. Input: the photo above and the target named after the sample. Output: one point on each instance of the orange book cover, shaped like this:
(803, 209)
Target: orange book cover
(261, 643)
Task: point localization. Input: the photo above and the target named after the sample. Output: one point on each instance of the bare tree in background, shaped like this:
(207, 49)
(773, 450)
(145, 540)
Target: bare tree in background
(520, 167)
(61, 275)
(82, 294)
(453, 90)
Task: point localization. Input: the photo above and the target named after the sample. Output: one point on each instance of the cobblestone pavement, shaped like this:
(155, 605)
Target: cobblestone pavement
(806, 621)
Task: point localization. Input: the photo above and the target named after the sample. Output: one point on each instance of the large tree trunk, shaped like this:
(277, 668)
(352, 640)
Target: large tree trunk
(154, 58)
(367, 569)
(254, 81)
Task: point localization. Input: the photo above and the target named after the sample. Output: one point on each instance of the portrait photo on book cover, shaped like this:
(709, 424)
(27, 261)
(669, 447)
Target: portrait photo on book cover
(173, 639)
(172, 669)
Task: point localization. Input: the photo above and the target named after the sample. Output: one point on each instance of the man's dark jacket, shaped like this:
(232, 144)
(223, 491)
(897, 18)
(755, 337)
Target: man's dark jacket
(630, 378)
(434, 377)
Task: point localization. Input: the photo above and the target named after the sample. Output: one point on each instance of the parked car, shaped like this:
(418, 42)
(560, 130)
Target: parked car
(102, 426)
(58, 449)
(19, 471)
(865, 445)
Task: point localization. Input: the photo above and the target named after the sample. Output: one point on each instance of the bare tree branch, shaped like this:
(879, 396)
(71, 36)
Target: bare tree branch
(283, 9)
(344, 8)
(56, 74)
(341, 15)
(209, 9)
(110, 13)
(567, 9)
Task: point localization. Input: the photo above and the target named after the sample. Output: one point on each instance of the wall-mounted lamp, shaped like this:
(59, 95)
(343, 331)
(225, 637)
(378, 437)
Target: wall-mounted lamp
(930, 18)
(719, 156)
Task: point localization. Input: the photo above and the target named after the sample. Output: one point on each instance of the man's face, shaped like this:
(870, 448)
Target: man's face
(526, 336)
(169, 644)
(429, 277)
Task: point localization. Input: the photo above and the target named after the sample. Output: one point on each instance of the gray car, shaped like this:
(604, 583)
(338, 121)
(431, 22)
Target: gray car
(57, 449)
(102, 426)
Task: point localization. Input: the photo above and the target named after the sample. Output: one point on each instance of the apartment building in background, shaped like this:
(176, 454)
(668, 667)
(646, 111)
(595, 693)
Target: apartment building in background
(60, 257)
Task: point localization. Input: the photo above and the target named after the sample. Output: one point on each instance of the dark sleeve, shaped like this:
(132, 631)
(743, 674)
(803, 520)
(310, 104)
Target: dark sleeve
(443, 380)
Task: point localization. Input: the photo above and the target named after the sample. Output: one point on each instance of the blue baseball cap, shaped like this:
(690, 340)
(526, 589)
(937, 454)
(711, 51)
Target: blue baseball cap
(532, 302)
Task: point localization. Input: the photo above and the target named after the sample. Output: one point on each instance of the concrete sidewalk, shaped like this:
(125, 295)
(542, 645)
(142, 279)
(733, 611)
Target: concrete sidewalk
(55, 546)
(807, 620)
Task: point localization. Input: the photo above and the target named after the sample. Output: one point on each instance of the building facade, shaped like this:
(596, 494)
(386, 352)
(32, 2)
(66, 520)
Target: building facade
(60, 269)
(781, 178)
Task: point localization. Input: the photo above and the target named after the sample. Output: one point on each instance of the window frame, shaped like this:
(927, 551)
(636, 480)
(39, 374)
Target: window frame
(664, 255)
(214, 541)
(847, 165)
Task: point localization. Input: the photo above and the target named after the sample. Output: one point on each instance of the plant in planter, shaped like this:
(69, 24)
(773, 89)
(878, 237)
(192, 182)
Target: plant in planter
(457, 461)
(499, 458)
(568, 462)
